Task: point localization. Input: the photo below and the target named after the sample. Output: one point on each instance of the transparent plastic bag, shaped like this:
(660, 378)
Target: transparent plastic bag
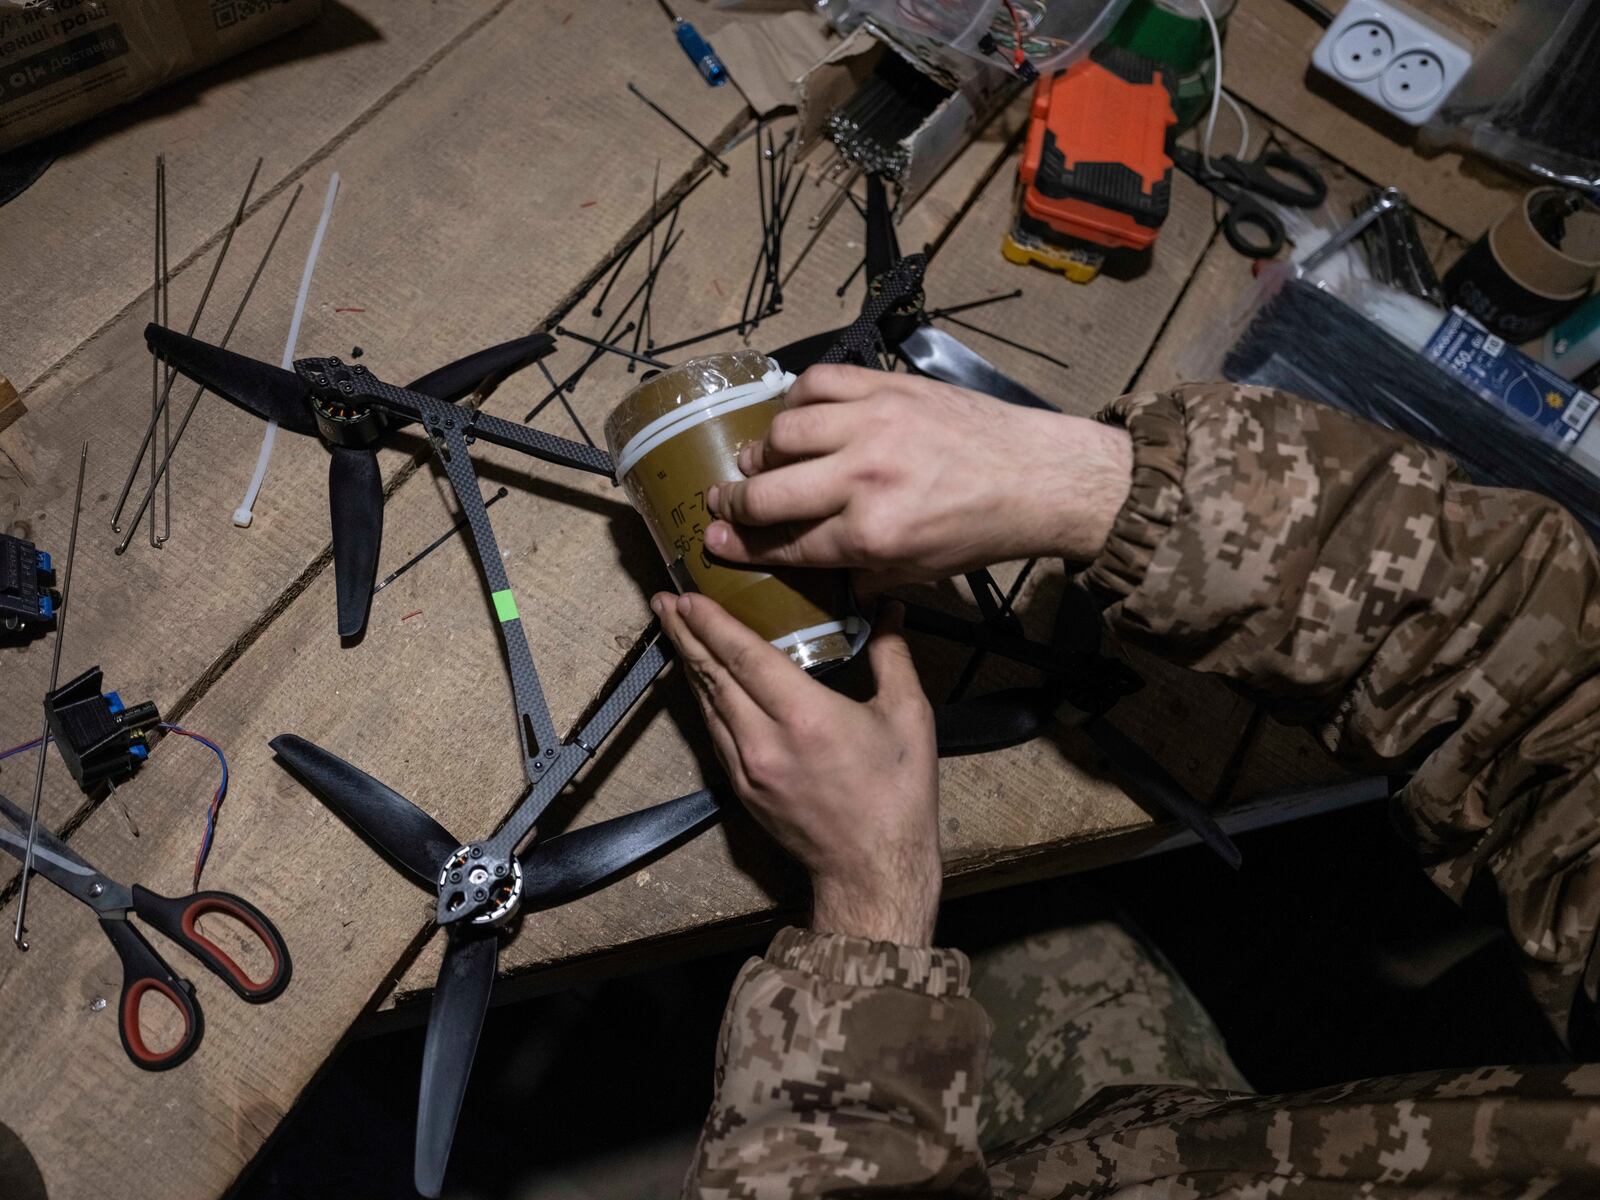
(1530, 99)
(1055, 33)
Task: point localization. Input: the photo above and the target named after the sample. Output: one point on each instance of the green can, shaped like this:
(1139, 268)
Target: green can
(1175, 34)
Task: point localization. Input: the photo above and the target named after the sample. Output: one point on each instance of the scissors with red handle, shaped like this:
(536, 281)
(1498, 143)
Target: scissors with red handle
(143, 970)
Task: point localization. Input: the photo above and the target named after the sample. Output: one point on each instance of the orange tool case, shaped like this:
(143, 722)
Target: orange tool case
(1097, 165)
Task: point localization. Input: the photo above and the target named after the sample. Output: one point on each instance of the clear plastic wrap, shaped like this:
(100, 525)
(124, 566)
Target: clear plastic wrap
(1530, 99)
(674, 436)
(1055, 33)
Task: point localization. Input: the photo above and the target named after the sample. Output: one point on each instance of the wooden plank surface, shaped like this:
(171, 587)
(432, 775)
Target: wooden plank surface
(1268, 62)
(479, 200)
(292, 101)
(443, 250)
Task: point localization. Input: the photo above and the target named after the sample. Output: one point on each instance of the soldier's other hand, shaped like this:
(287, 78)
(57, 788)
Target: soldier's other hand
(912, 479)
(851, 789)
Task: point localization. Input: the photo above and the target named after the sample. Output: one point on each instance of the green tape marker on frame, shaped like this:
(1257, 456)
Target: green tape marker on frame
(505, 605)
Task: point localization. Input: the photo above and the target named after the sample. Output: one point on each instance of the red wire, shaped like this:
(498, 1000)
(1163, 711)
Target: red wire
(1018, 57)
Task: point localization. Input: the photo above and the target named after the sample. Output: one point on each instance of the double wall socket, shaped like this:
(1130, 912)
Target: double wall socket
(1394, 56)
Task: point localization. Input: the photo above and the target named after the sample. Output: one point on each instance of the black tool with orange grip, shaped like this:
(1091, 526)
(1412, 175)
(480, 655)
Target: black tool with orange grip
(143, 970)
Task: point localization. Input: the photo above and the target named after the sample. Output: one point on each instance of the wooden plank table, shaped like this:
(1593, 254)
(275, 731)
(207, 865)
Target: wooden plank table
(493, 164)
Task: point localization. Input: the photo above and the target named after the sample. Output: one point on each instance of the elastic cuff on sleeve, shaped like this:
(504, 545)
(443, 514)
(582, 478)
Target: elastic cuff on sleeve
(858, 962)
(1155, 422)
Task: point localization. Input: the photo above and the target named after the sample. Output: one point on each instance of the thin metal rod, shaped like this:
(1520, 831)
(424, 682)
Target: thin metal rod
(172, 375)
(166, 320)
(761, 207)
(644, 312)
(769, 221)
(565, 403)
(155, 315)
(1005, 341)
(434, 545)
(571, 380)
(200, 389)
(613, 349)
(837, 201)
(851, 278)
(667, 117)
(779, 190)
(55, 678)
(820, 223)
(638, 238)
(987, 300)
(621, 262)
(700, 337)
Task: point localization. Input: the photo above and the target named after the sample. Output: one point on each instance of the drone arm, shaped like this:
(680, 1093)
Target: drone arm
(435, 414)
(544, 446)
(448, 429)
(651, 658)
(883, 247)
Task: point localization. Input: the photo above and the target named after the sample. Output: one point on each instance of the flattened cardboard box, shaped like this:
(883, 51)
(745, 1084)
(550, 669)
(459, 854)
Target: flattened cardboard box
(62, 61)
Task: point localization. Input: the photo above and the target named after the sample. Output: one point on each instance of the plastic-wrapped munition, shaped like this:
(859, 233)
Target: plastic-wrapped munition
(677, 434)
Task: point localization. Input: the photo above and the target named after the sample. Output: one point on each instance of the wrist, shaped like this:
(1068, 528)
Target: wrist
(900, 910)
(1075, 481)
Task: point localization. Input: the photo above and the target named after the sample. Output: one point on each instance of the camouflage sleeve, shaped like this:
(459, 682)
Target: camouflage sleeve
(1361, 585)
(1495, 1132)
(846, 1067)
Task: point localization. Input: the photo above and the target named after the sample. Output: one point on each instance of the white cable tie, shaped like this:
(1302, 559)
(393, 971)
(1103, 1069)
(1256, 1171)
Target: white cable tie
(245, 513)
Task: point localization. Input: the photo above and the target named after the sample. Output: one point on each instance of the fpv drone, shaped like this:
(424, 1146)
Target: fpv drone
(482, 885)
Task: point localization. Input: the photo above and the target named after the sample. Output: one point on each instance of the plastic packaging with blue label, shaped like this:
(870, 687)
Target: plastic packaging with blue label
(1559, 409)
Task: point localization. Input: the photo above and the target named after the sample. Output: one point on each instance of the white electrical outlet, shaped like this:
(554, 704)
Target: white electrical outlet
(1394, 56)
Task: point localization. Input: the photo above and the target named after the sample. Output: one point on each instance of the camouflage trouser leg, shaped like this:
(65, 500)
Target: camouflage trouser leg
(1081, 1008)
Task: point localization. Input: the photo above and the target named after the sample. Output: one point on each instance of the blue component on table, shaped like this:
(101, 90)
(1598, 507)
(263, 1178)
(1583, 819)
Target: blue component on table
(700, 53)
(100, 738)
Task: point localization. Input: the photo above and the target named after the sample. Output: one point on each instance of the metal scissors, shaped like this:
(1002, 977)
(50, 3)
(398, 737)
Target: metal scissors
(1274, 174)
(143, 970)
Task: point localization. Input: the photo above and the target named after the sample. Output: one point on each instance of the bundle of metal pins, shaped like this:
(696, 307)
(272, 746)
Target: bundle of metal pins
(161, 381)
(870, 128)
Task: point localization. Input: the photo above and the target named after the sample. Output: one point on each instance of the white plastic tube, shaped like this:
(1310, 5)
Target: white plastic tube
(245, 513)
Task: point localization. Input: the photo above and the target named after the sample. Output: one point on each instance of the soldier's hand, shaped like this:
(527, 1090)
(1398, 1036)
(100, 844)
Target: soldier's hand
(850, 789)
(910, 478)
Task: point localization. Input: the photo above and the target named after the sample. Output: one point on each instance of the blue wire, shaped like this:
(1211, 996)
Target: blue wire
(5, 754)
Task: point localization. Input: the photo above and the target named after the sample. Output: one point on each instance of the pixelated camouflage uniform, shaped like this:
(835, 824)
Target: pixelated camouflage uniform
(1359, 583)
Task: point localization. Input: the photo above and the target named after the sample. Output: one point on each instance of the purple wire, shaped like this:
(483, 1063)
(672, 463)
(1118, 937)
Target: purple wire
(5, 754)
(216, 799)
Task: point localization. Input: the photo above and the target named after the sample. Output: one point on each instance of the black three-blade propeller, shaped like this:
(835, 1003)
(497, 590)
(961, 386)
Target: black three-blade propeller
(552, 871)
(352, 432)
(905, 329)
